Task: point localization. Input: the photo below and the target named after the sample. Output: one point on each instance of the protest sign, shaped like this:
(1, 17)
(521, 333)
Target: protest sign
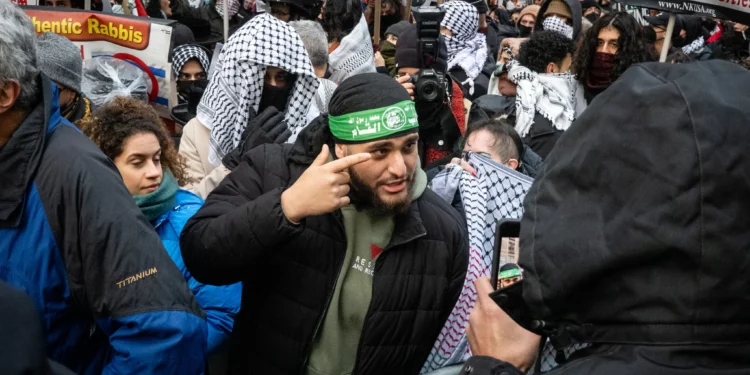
(733, 10)
(143, 42)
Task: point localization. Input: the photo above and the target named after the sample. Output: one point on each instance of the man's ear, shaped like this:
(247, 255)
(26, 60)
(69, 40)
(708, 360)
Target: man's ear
(513, 164)
(9, 93)
(341, 151)
(551, 68)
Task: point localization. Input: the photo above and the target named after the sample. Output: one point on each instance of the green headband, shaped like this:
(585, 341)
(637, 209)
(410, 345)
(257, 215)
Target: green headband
(507, 274)
(374, 123)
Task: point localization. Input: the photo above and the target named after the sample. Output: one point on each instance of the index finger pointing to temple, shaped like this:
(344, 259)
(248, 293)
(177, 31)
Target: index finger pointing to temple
(346, 162)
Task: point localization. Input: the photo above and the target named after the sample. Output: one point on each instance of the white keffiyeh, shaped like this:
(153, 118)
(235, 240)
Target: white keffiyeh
(557, 97)
(467, 47)
(236, 84)
(497, 192)
(353, 55)
(556, 24)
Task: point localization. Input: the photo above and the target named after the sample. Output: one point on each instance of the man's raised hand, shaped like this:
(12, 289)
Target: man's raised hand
(322, 188)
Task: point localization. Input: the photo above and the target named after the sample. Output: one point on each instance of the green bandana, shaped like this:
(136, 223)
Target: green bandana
(374, 123)
(509, 273)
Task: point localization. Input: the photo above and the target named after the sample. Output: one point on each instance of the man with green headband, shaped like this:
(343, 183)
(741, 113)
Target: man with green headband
(349, 264)
(508, 275)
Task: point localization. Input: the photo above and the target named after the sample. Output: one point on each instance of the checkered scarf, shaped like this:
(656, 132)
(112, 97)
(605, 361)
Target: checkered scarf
(695, 46)
(353, 55)
(467, 48)
(555, 24)
(557, 97)
(497, 192)
(233, 7)
(236, 84)
(183, 54)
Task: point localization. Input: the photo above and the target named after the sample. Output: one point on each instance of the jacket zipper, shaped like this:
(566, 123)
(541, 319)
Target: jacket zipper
(322, 316)
(378, 263)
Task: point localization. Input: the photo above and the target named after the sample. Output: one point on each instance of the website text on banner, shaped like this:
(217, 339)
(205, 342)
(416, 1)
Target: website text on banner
(99, 34)
(733, 10)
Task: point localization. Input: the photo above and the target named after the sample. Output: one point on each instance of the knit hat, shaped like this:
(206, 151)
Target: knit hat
(406, 51)
(558, 7)
(531, 9)
(397, 28)
(60, 60)
(371, 106)
(406, 48)
(586, 4)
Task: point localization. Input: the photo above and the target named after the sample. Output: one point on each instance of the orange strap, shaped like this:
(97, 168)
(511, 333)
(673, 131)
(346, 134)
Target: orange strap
(333, 47)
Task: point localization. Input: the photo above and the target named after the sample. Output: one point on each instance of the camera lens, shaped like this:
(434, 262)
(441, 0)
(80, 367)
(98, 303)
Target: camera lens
(429, 91)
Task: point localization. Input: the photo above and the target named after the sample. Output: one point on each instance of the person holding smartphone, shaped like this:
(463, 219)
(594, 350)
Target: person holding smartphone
(631, 249)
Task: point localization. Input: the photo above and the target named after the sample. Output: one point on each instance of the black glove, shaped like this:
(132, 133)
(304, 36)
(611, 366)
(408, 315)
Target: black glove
(268, 127)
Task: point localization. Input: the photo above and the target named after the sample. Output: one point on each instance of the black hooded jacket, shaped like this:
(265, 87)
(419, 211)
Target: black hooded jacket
(289, 271)
(646, 255)
(575, 9)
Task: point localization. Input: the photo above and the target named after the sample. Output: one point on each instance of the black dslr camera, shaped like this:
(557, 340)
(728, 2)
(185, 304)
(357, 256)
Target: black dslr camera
(429, 85)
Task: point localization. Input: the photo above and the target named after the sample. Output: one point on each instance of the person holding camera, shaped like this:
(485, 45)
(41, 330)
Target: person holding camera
(441, 117)
(635, 240)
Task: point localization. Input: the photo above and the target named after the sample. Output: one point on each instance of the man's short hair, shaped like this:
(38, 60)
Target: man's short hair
(544, 47)
(18, 53)
(508, 143)
(315, 40)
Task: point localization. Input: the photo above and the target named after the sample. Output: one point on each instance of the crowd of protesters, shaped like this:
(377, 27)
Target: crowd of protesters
(313, 212)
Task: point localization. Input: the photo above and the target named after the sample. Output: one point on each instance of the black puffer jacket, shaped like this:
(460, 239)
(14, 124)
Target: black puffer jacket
(289, 272)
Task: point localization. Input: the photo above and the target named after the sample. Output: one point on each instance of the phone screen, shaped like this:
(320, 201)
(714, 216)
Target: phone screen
(506, 251)
(508, 254)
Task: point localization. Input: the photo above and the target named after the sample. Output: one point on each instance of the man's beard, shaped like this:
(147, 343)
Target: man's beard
(365, 198)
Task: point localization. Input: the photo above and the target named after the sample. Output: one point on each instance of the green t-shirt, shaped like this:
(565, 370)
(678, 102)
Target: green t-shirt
(335, 346)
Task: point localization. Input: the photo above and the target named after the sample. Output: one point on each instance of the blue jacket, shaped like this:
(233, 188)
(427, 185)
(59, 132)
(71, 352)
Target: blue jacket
(71, 237)
(221, 303)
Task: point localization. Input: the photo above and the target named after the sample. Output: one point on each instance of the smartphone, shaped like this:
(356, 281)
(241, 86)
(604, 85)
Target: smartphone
(506, 247)
(506, 250)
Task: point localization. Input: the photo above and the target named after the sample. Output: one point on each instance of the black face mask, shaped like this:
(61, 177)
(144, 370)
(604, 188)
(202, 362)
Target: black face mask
(592, 17)
(275, 96)
(192, 92)
(524, 31)
(649, 35)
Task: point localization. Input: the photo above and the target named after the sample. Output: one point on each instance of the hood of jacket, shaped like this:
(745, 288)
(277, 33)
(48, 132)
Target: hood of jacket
(575, 8)
(22, 154)
(636, 228)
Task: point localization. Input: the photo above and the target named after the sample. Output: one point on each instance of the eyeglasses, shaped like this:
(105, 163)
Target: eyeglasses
(465, 154)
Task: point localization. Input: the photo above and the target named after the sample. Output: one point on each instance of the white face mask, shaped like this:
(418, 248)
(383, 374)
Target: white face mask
(556, 24)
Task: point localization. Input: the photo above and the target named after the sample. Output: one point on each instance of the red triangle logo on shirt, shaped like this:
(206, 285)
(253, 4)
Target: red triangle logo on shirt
(375, 251)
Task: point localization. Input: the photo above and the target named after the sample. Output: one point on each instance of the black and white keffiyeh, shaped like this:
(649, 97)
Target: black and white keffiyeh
(353, 55)
(184, 53)
(497, 192)
(557, 97)
(556, 24)
(695, 46)
(232, 7)
(236, 84)
(467, 47)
